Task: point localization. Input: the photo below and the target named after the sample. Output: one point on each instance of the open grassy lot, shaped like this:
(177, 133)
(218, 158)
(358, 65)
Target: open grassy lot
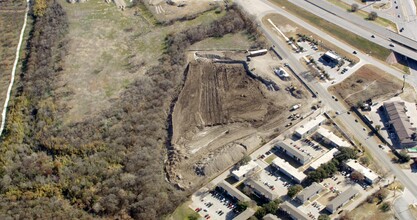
(239, 41)
(291, 29)
(344, 35)
(367, 211)
(103, 60)
(369, 82)
(380, 21)
(9, 38)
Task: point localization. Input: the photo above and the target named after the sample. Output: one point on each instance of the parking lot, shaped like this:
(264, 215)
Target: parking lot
(214, 205)
(275, 179)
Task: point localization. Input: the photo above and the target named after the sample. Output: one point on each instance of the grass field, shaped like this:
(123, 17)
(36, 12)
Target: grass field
(103, 60)
(380, 21)
(344, 35)
(370, 82)
(182, 212)
(239, 41)
(368, 211)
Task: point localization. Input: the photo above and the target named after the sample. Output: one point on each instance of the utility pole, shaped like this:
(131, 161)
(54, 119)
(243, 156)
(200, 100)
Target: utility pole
(402, 89)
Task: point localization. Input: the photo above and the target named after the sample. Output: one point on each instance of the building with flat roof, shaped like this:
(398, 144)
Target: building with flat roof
(246, 170)
(245, 214)
(309, 127)
(233, 192)
(370, 176)
(270, 217)
(325, 158)
(281, 73)
(331, 138)
(331, 57)
(309, 192)
(293, 151)
(288, 170)
(342, 199)
(293, 211)
(261, 189)
(398, 119)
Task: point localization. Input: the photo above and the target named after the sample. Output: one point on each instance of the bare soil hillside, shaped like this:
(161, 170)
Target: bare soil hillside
(222, 113)
(216, 94)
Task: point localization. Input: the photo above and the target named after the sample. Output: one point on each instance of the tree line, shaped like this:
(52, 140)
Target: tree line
(110, 165)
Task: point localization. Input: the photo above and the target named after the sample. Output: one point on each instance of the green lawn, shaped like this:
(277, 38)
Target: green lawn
(338, 32)
(182, 212)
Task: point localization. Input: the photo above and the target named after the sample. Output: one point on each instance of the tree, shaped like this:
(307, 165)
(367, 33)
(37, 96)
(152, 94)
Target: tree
(403, 157)
(324, 217)
(372, 16)
(364, 160)
(354, 7)
(293, 190)
(385, 207)
(357, 176)
(382, 194)
(245, 160)
(241, 206)
(377, 127)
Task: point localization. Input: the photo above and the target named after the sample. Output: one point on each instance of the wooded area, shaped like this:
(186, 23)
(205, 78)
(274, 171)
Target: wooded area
(111, 165)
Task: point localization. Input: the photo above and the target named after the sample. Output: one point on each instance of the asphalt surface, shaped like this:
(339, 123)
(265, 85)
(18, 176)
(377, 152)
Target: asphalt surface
(347, 120)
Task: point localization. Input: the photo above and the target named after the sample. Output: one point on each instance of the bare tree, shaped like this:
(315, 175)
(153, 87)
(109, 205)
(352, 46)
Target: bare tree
(372, 16)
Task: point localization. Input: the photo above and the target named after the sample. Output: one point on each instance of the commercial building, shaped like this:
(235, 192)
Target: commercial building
(341, 199)
(246, 170)
(309, 192)
(398, 119)
(327, 157)
(331, 138)
(370, 176)
(293, 151)
(309, 127)
(245, 214)
(270, 217)
(233, 192)
(293, 211)
(262, 190)
(331, 57)
(288, 170)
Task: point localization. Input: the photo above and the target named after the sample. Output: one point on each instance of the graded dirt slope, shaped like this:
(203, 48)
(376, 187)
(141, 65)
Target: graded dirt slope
(216, 94)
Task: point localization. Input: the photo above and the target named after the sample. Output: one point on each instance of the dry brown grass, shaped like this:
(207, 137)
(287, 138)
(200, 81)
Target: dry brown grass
(368, 211)
(108, 50)
(367, 82)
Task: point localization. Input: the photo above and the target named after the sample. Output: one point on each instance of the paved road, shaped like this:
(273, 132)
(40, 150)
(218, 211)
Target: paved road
(358, 25)
(348, 121)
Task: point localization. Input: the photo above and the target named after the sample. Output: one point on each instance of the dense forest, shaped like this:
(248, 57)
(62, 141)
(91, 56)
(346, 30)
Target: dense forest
(111, 165)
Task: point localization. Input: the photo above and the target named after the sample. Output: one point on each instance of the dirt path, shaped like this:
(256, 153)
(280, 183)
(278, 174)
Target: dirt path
(9, 89)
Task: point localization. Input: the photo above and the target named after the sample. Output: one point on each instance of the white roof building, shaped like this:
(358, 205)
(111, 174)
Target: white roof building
(369, 175)
(328, 156)
(288, 170)
(309, 127)
(245, 170)
(334, 140)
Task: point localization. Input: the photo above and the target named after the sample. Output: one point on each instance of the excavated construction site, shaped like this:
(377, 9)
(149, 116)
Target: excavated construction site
(222, 113)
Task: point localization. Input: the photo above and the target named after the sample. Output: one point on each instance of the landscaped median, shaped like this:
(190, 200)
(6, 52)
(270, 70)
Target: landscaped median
(342, 34)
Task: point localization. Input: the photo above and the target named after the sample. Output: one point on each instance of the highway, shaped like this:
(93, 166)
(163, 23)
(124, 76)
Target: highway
(347, 120)
(359, 26)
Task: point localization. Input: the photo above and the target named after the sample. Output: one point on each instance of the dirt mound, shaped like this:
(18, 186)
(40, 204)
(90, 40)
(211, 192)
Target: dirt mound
(217, 94)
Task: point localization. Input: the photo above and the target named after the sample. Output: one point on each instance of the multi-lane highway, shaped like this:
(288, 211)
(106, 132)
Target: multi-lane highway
(258, 8)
